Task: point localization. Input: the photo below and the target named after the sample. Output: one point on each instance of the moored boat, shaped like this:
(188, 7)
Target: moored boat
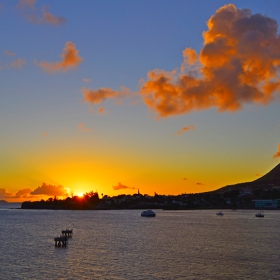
(260, 215)
(148, 213)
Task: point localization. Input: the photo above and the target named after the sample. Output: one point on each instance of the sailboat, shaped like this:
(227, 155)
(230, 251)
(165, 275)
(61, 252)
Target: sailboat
(260, 214)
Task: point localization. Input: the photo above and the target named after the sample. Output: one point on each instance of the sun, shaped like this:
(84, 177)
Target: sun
(80, 194)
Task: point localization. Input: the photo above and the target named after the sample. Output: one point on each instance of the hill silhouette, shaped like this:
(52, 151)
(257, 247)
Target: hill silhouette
(272, 178)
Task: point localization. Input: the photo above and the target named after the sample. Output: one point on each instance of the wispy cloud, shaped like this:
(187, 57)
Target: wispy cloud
(17, 64)
(86, 80)
(9, 53)
(27, 3)
(51, 190)
(41, 16)
(103, 94)
(185, 129)
(121, 186)
(277, 154)
(82, 127)
(70, 59)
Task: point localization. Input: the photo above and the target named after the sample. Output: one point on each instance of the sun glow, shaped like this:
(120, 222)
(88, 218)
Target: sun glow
(80, 194)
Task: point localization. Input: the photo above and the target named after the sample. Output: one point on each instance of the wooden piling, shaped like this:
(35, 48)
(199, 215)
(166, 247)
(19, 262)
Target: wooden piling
(61, 241)
(67, 232)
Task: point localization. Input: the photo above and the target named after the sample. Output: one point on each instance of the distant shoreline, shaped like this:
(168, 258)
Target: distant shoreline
(3, 201)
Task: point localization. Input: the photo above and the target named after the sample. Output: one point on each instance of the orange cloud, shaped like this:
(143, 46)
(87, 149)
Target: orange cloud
(101, 110)
(185, 129)
(277, 154)
(24, 193)
(17, 64)
(70, 58)
(82, 127)
(50, 190)
(120, 186)
(30, 12)
(7, 52)
(51, 19)
(4, 194)
(239, 65)
(100, 95)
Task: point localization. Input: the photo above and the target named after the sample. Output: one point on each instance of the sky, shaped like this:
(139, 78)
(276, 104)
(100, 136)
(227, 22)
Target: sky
(165, 97)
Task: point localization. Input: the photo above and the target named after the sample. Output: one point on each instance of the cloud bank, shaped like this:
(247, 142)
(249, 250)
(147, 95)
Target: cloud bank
(238, 65)
(70, 59)
(51, 190)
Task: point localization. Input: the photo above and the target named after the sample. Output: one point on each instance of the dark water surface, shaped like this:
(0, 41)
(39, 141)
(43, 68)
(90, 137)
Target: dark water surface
(123, 245)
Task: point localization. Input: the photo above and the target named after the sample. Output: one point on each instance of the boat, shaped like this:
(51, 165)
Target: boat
(260, 215)
(220, 213)
(148, 213)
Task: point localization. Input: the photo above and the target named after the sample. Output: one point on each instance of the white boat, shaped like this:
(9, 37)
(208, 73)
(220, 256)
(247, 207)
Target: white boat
(148, 213)
(220, 213)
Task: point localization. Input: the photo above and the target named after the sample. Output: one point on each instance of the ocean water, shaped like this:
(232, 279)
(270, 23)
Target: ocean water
(122, 245)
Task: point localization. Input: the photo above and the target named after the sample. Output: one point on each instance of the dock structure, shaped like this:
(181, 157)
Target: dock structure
(67, 232)
(61, 241)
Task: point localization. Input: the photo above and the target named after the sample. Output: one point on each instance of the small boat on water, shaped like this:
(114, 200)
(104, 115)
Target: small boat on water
(148, 213)
(260, 215)
(220, 213)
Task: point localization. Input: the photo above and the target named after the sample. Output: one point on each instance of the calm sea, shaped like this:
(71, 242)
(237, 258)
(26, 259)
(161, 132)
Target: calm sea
(123, 245)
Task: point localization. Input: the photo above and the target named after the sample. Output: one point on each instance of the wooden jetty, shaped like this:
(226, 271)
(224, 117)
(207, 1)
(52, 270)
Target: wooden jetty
(67, 232)
(61, 241)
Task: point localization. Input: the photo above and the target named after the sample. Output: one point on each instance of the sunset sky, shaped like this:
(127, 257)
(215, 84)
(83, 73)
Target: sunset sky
(114, 96)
